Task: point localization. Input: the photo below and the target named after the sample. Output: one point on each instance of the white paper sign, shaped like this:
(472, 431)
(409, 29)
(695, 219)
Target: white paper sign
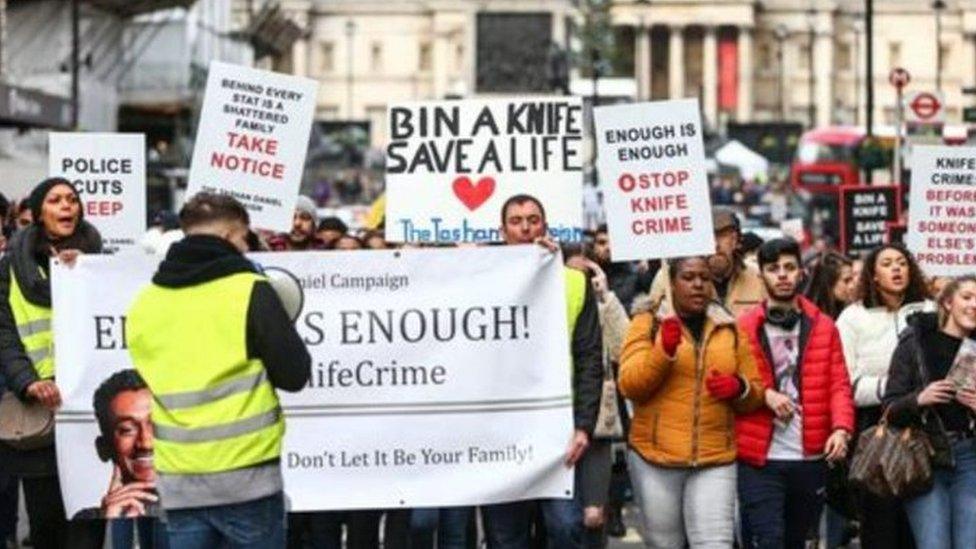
(424, 392)
(252, 140)
(109, 172)
(652, 171)
(942, 214)
(451, 165)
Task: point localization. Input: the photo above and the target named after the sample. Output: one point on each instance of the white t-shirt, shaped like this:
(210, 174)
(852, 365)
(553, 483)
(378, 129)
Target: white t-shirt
(784, 347)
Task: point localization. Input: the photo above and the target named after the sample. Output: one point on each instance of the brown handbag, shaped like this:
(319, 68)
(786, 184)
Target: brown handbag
(608, 423)
(25, 426)
(892, 462)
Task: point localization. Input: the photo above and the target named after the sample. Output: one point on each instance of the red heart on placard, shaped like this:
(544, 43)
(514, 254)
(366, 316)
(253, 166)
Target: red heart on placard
(473, 195)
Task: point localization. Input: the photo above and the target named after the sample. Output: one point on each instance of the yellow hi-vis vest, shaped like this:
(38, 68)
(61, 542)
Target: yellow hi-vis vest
(213, 409)
(34, 326)
(575, 297)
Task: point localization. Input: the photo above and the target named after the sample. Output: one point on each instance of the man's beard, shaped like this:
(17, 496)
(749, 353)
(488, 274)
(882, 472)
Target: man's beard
(297, 237)
(772, 293)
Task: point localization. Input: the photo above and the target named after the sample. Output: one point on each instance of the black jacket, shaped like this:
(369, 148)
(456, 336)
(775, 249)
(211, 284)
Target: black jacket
(271, 336)
(908, 375)
(27, 255)
(626, 282)
(587, 348)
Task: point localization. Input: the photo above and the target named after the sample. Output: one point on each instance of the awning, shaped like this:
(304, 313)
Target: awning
(22, 107)
(129, 8)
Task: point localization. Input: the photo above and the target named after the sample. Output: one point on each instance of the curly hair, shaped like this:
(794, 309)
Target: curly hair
(871, 295)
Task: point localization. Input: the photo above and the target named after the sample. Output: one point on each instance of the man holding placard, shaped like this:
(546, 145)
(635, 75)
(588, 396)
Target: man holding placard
(507, 525)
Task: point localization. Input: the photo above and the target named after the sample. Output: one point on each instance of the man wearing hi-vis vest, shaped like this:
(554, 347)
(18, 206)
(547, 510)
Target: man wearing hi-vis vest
(507, 525)
(212, 341)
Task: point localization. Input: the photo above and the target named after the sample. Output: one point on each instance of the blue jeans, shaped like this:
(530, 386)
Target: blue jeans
(780, 504)
(945, 518)
(449, 523)
(507, 524)
(258, 524)
(152, 533)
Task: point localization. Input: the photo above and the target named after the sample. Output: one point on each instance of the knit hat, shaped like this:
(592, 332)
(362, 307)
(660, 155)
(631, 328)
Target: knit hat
(306, 205)
(333, 223)
(36, 199)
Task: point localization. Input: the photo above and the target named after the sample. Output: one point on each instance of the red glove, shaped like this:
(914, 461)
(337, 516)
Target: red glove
(723, 386)
(670, 335)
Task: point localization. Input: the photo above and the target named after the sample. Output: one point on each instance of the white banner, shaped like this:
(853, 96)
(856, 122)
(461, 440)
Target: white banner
(109, 172)
(652, 171)
(451, 165)
(942, 213)
(252, 140)
(424, 392)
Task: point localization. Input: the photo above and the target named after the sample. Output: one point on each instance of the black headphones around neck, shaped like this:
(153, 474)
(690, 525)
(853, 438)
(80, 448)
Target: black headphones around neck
(782, 317)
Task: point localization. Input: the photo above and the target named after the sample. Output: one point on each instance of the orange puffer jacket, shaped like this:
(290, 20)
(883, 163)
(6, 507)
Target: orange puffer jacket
(677, 423)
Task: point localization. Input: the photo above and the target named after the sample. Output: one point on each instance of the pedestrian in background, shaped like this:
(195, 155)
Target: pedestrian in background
(892, 286)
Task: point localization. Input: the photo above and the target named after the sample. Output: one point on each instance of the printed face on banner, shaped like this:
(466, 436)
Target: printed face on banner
(450, 166)
(104, 426)
(942, 216)
(109, 172)
(252, 140)
(422, 392)
(652, 171)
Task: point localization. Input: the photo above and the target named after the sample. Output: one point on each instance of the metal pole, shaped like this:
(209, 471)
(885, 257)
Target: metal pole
(350, 28)
(75, 39)
(812, 108)
(899, 117)
(938, 5)
(869, 64)
(3, 35)
(857, 76)
(779, 77)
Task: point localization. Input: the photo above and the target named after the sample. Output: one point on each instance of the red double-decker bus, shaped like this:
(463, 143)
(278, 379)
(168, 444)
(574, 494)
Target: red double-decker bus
(826, 159)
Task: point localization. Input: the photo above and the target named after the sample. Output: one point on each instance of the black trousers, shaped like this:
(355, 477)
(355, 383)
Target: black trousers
(49, 527)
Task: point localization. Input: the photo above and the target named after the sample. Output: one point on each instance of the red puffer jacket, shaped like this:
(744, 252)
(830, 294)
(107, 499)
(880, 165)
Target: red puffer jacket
(825, 389)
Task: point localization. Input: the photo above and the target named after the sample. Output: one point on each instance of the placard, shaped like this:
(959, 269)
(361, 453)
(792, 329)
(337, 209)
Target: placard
(651, 162)
(865, 213)
(423, 393)
(109, 172)
(451, 165)
(942, 216)
(252, 140)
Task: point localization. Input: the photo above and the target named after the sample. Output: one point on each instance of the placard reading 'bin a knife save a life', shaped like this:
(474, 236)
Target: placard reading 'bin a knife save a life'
(451, 165)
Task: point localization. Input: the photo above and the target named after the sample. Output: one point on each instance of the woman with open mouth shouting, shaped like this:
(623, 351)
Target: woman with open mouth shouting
(27, 353)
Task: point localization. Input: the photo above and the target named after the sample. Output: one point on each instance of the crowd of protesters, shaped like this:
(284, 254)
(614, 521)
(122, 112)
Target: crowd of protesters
(725, 393)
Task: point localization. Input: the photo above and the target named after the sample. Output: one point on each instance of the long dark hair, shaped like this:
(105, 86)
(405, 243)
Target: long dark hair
(826, 273)
(914, 292)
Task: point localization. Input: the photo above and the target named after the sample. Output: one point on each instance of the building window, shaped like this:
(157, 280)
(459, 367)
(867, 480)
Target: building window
(328, 112)
(844, 57)
(894, 54)
(766, 57)
(804, 61)
(376, 57)
(327, 60)
(425, 54)
(376, 114)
